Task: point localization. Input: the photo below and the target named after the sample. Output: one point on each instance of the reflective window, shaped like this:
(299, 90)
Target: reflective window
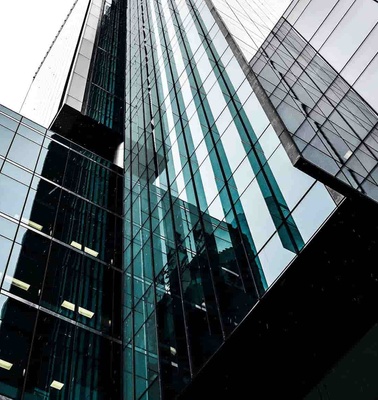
(6, 137)
(41, 206)
(30, 134)
(26, 267)
(12, 197)
(16, 333)
(8, 122)
(24, 152)
(7, 228)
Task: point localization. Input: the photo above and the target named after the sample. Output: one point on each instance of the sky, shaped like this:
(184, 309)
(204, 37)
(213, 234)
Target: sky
(27, 28)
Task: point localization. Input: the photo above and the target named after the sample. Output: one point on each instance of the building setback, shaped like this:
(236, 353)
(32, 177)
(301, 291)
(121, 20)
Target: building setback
(198, 218)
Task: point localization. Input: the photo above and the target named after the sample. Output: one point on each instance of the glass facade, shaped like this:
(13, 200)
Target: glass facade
(250, 21)
(214, 209)
(123, 283)
(330, 124)
(345, 33)
(61, 290)
(106, 80)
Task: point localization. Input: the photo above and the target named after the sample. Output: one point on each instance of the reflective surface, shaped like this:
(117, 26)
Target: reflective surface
(333, 128)
(61, 281)
(214, 209)
(160, 264)
(250, 21)
(104, 98)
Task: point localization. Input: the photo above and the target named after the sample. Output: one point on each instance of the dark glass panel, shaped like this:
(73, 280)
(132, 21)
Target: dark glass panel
(52, 357)
(173, 347)
(41, 206)
(26, 267)
(100, 294)
(16, 331)
(62, 281)
(96, 368)
(52, 162)
(83, 289)
(91, 228)
(71, 218)
(89, 179)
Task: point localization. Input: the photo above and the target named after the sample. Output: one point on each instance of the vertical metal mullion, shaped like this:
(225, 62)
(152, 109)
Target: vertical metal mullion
(171, 202)
(257, 157)
(150, 208)
(215, 146)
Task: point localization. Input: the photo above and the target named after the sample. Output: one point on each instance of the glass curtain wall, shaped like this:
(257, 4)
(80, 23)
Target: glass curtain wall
(214, 209)
(250, 21)
(105, 87)
(330, 124)
(60, 240)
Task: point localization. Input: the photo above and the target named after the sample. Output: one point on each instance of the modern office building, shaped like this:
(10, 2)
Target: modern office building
(61, 227)
(232, 248)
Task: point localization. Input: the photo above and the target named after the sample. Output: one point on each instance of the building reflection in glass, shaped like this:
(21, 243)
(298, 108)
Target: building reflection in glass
(60, 273)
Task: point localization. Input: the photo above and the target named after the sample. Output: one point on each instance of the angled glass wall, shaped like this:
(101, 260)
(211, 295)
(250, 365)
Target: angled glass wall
(60, 239)
(214, 209)
(333, 129)
(250, 21)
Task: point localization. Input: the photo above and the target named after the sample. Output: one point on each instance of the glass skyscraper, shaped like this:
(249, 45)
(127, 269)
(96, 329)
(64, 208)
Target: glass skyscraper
(61, 235)
(214, 209)
(177, 218)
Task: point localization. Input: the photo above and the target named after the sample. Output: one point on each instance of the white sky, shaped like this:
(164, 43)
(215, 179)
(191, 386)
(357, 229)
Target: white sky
(27, 28)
